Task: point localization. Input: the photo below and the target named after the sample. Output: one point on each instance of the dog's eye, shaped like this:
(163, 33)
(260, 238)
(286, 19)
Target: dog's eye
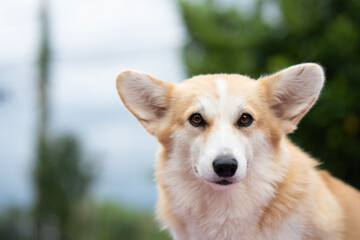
(196, 120)
(245, 120)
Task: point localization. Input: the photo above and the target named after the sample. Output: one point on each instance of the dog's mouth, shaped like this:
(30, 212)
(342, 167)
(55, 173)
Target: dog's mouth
(223, 182)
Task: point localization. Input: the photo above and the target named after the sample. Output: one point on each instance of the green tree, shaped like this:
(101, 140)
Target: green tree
(61, 182)
(270, 35)
(61, 178)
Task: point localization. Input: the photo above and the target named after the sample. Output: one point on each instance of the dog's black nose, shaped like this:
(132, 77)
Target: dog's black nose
(225, 166)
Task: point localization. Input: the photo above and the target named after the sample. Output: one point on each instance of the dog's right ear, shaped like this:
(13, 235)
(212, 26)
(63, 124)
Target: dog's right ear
(145, 96)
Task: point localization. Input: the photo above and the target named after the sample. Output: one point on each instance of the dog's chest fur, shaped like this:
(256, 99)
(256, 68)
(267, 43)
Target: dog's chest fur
(233, 228)
(227, 218)
(205, 214)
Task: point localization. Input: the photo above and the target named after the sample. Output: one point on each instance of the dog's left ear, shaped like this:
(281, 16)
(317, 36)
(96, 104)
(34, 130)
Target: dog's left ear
(293, 91)
(146, 97)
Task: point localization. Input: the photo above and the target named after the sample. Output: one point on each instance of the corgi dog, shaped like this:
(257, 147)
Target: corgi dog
(226, 168)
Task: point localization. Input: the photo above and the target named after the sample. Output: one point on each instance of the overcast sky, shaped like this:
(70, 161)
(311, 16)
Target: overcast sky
(92, 42)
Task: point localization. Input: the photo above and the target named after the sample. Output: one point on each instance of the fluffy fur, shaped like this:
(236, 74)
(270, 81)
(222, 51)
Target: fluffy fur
(277, 191)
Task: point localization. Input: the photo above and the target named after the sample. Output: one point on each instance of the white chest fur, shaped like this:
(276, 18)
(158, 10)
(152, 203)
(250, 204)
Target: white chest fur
(229, 215)
(232, 227)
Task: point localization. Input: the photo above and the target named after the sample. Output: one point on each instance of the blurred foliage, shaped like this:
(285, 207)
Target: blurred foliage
(270, 35)
(61, 181)
(112, 222)
(63, 209)
(105, 221)
(16, 224)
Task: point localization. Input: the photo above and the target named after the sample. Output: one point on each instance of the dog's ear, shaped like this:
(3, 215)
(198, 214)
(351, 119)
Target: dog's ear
(145, 96)
(292, 92)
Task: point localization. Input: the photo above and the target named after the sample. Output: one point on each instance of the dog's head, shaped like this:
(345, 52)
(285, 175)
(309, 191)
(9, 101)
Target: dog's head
(216, 126)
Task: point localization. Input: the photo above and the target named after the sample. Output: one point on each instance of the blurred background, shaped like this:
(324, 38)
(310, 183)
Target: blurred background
(74, 163)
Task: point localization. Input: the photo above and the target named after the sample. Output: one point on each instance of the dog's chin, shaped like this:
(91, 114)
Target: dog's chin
(221, 184)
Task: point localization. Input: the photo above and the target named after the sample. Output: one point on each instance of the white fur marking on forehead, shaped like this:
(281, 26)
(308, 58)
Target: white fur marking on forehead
(221, 86)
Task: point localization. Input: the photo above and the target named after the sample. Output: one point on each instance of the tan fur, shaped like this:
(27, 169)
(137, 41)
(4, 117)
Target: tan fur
(348, 198)
(292, 200)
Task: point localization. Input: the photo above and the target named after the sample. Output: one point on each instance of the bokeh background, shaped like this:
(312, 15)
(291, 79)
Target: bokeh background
(74, 163)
